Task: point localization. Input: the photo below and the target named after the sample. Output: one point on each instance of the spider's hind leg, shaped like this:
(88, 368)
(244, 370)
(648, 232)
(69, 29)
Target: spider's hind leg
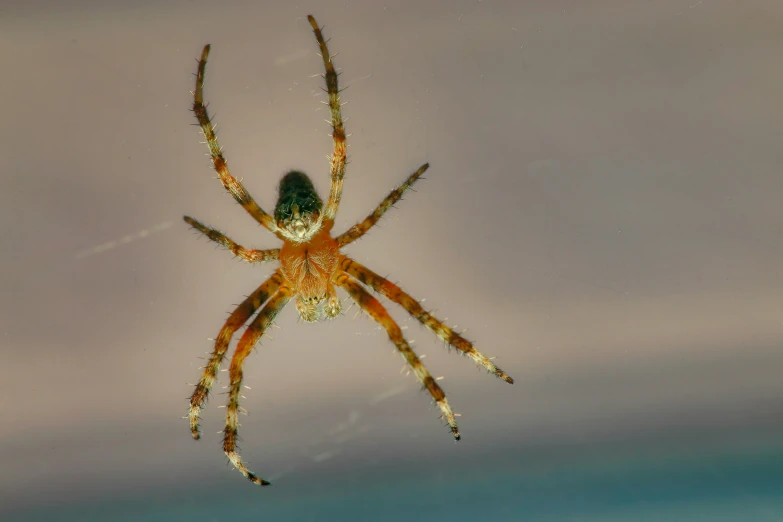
(230, 183)
(338, 130)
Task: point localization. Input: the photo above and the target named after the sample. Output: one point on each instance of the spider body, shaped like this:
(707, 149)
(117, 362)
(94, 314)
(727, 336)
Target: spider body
(311, 268)
(308, 263)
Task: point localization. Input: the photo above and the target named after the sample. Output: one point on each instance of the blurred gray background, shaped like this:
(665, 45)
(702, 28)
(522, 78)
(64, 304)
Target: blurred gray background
(602, 212)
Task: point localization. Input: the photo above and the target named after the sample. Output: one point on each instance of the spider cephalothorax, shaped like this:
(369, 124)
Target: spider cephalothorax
(311, 267)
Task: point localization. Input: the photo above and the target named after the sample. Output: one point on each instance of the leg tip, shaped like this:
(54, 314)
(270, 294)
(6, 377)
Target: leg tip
(258, 480)
(500, 374)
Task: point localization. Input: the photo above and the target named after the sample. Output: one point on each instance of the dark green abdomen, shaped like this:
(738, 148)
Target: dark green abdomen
(296, 189)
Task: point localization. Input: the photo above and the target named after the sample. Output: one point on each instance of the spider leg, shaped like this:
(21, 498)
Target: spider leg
(254, 331)
(376, 310)
(238, 317)
(338, 131)
(395, 293)
(359, 229)
(230, 183)
(251, 256)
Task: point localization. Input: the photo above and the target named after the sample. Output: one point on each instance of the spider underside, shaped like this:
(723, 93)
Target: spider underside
(311, 267)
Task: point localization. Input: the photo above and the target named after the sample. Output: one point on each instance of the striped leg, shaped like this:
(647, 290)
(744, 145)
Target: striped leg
(251, 256)
(338, 131)
(359, 229)
(238, 317)
(254, 331)
(230, 183)
(376, 310)
(395, 293)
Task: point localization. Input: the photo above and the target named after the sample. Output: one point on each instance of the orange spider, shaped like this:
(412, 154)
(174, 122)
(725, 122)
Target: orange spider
(311, 265)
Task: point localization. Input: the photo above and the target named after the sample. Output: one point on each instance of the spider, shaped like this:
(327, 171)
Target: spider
(311, 267)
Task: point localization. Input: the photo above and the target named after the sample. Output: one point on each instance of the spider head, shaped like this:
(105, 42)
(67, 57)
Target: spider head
(298, 209)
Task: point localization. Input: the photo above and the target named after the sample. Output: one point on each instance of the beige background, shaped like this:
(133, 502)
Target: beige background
(603, 212)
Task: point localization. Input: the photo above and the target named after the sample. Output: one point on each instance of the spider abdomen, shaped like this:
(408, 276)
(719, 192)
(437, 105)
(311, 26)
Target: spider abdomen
(297, 192)
(298, 209)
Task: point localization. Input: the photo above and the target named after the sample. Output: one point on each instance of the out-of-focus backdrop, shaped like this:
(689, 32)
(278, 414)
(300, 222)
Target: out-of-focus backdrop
(602, 212)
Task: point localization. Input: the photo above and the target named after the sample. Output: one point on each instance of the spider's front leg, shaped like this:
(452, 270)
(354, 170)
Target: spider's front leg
(254, 331)
(395, 294)
(376, 310)
(238, 317)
